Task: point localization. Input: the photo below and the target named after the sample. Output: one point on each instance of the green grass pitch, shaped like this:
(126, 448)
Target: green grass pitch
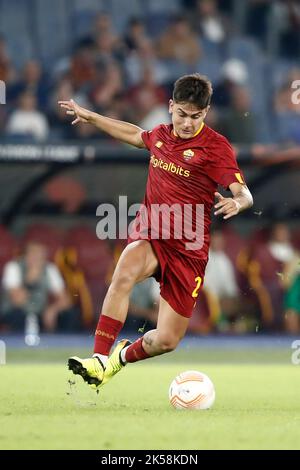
(257, 404)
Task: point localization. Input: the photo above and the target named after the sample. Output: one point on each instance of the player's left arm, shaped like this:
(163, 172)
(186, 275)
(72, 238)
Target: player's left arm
(229, 206)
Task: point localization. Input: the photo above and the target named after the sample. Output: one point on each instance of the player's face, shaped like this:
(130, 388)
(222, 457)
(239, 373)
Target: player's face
(186, 118)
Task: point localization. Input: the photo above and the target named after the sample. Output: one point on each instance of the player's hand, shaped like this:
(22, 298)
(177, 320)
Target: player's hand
(74, 109)
(227, 206)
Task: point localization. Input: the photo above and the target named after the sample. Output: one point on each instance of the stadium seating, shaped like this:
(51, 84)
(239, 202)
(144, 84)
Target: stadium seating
(45, 234)
(94, 258)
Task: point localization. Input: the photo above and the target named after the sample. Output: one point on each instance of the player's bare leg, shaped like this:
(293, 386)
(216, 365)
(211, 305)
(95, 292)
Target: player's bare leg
(171, 328)
(137, 262)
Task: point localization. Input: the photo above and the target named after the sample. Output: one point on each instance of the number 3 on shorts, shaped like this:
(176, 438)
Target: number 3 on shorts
(198, 281)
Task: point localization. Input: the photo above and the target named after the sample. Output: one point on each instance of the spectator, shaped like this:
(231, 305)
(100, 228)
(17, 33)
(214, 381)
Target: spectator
(292, 297)
(233, 73)
(27, 284)
(26, 120)
(33, 81)
(145, 56)
(103, 26)
(179, 43)
(82, 68)
(286, 22)
(238, 123)
(148, 102)
(209, 22)
(266, 269)
(144, 301)
(59, 121)
(107, 83)
(220, 279)
(135, 34)
(106, 46)
(280, 244)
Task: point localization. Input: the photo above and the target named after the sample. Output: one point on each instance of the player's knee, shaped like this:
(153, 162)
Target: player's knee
(167, 343)
(123, 281)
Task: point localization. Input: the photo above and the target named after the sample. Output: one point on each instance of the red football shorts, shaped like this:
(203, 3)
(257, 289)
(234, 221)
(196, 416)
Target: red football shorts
(180, 277)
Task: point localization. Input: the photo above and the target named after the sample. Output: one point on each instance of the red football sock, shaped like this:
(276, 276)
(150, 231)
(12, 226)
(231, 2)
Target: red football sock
(106, 333)
(135, 352)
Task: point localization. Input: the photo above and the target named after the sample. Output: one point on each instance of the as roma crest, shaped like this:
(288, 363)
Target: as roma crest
(188, 154)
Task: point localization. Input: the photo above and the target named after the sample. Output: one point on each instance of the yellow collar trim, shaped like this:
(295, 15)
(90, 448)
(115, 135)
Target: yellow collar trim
(197, 133)
(199, 130)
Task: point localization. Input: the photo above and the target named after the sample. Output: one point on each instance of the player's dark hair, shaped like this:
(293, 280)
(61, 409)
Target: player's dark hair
(195, 88)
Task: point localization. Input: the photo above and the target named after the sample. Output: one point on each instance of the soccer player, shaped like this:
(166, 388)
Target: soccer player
(188, 162)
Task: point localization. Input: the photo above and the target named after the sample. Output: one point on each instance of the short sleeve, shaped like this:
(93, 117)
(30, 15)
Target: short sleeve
(56, 283)
(12, 276)
(223, 168)
(147, 138)
(150, 137)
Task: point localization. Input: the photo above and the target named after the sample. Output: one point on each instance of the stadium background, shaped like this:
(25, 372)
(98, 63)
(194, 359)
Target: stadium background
(54, 176)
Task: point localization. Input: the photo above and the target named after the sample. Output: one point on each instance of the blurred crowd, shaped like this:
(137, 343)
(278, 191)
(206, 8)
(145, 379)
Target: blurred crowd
(250, 50)
(251, 284)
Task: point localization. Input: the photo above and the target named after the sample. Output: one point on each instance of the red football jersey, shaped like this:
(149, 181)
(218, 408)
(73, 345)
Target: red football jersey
(184, 174)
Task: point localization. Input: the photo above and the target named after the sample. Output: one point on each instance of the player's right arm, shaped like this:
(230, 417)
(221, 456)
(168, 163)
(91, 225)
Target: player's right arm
(121, 130)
